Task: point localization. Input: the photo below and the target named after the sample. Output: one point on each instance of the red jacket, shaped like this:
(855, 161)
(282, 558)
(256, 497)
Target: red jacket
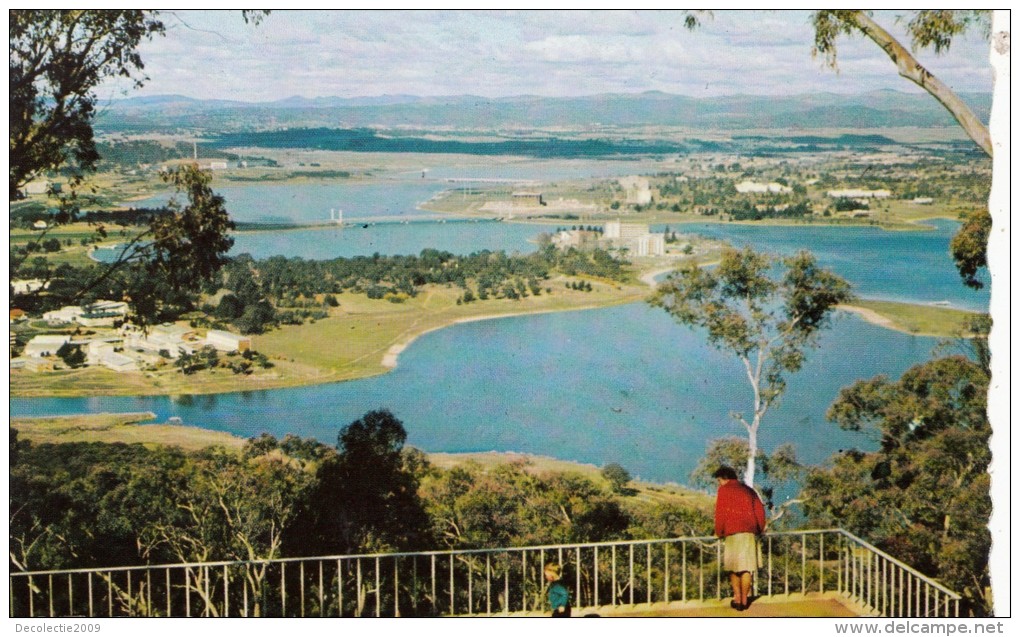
(738, 509)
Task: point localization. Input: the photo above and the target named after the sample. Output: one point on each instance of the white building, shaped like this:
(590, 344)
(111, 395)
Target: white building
(637, 189)
(169, 337)
(755, 187)
(616, 230)
(66, 314)
(651, 245)
(227, 341)
(24, 286)
(116, 361)
(923, 201)
(854, 193)
(45, 345)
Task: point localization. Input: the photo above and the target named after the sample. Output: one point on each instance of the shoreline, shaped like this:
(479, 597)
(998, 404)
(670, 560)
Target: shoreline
(391, 357)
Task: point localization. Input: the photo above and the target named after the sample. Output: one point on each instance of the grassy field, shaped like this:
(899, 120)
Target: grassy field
(923, 320)
(638, 492)
(125, 428)
(361, 338)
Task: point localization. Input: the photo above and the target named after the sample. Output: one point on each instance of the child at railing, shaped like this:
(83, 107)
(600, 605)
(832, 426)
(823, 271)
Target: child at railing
(559, 596)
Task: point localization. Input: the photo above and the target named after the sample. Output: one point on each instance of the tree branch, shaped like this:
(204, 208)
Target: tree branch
(911, 69)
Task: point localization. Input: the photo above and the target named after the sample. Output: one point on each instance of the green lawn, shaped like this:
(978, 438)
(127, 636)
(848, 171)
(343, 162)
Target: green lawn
(927, 320)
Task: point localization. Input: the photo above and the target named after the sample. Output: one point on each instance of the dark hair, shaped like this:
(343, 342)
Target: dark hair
(726, 473)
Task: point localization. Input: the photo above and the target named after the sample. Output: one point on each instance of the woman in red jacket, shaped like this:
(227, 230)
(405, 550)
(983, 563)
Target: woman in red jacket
(739, 520)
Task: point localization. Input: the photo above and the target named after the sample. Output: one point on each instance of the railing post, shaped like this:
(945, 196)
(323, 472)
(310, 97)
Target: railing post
(683, 573)
(665, 575)
(435, 603)
(339, 588)
(488, 583)
(452, 609)
(378, 589)
(648, 567)
(524, 580)
(630, 582)
(577, 574)
(803, 564)
(396, 586)
(595, 576)
(301, 586)
(322, 593)
(769, 571)
(821, 563)
(718, 569)
(613, 576)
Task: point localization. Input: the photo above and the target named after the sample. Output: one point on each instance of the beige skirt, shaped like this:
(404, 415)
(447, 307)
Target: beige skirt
(741, 552)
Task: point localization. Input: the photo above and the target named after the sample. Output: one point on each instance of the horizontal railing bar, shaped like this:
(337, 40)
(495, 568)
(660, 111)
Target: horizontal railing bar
(912, 571)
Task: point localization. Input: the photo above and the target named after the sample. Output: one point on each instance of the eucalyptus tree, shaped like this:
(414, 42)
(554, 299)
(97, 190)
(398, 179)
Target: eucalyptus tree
(765, 310)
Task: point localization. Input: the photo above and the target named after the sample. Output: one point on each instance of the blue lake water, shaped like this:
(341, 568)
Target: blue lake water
(913, 267)
(623, 384)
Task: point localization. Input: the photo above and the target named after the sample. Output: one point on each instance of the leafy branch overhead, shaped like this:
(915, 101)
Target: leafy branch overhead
(928, 28)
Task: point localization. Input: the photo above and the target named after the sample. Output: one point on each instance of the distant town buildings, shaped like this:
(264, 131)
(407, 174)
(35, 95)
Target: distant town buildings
(637, 190)
(99, 313)
(24, 286)
(755, 187)
(859, 194)
(227, 341)
(527, 199)
(636, 238)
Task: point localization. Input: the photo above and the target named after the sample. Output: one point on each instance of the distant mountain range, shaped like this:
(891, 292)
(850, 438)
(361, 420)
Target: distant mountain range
(876, 109)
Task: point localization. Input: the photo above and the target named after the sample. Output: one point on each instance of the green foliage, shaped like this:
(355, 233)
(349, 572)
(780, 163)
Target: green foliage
(510, 506)
(924, 495)
(57, 59)
(364, 499)
(969, 247)
(92, 504)
(616, 475)
(764, 310)
(72, 355)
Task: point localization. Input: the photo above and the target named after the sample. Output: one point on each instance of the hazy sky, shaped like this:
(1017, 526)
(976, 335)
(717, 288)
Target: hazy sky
(214, 54)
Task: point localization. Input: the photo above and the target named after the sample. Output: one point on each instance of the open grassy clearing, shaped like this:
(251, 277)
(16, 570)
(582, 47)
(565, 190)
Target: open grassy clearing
(923, 320)
(125, 428)
(360, 338)
(638, 492)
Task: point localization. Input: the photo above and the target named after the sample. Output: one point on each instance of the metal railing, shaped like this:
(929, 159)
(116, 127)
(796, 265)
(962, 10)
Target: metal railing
(505, 581)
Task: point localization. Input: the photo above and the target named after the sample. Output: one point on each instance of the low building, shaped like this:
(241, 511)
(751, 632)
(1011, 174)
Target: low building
(66, 314)
(24, 286)
(755, 187)
(527, 199)
(17, 315)
(651, 245)
(45, 345)
(637, 190)
(168, 337)
(923, 201)
(117, 362)
(565, 239)
(228, 341)
(855, 193)
(618, 231)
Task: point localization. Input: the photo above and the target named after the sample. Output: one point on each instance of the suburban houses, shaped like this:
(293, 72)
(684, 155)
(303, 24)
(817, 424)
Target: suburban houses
(127, 348)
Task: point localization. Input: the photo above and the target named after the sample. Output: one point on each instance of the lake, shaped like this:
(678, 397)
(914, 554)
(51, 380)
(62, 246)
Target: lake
(622, 384)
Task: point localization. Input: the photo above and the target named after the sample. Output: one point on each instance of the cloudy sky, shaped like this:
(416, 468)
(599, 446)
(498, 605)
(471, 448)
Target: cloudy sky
(214, 54)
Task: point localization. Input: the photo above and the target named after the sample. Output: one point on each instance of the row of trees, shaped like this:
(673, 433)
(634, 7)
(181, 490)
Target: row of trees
(95, 504)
